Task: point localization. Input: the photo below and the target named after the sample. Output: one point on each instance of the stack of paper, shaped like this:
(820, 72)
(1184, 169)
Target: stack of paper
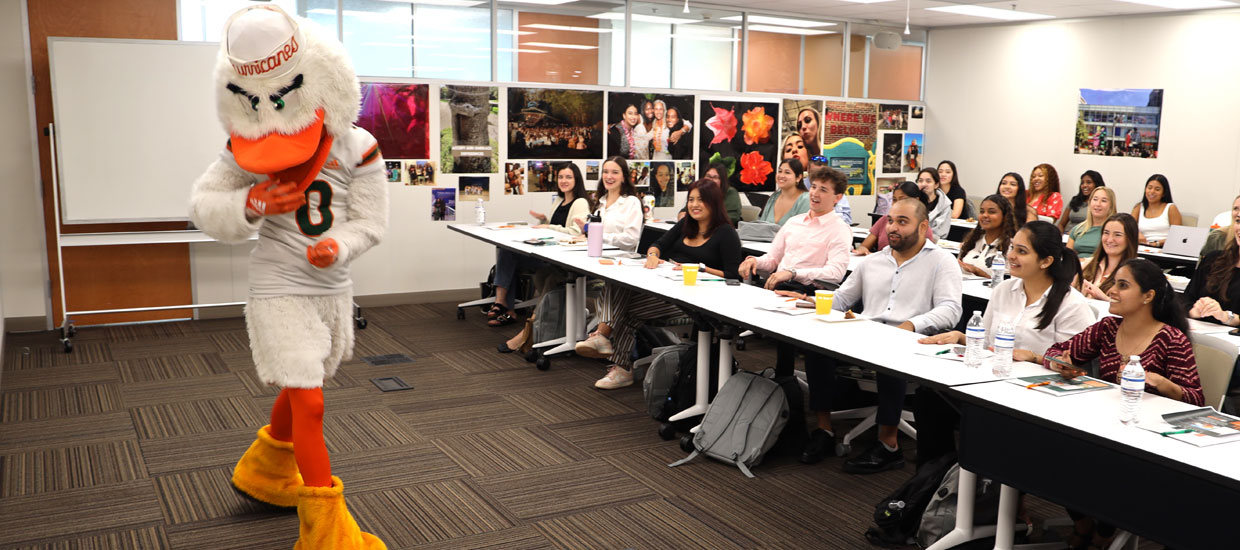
(1057, 385)
(1201, 427)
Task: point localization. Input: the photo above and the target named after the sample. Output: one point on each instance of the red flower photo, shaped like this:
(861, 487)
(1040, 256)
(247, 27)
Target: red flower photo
(743, 142)
(754, 168)
(723, 124)
(757, 126)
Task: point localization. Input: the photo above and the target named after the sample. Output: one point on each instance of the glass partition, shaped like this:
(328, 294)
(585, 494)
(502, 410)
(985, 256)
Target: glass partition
(886, 66)
(567, 42)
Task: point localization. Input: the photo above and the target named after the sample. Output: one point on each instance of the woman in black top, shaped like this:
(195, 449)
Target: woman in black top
(949, 182)
(703, 236)
(1214, 292)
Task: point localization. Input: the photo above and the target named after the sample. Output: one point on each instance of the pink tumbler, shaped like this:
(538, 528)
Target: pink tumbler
(594, 239)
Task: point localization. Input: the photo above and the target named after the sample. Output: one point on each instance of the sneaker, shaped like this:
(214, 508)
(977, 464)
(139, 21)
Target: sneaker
(596, 346)
(875, 459)
(821, 444)
(617, 377)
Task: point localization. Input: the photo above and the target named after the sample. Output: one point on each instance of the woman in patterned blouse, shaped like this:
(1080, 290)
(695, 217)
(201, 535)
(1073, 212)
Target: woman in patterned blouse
(1151, 324)
(1043, 196)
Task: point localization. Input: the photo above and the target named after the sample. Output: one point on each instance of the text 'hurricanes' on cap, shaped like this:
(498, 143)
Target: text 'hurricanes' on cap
(262, 41)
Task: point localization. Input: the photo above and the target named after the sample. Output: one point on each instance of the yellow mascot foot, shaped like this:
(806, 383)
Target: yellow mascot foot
(267, 472)
(326, 523)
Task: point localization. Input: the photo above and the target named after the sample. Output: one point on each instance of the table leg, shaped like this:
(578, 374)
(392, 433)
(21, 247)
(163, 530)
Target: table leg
(572, 318)
(701, 398)
(1005, 530)
(965, 493)
(725, 360)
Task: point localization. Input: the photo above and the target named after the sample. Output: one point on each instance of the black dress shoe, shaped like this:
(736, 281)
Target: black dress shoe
(875, 459)
(503, 348)
(820, 445)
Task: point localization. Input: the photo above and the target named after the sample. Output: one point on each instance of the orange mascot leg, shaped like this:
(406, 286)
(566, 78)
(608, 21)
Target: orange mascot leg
(308, 444)
(268, 472)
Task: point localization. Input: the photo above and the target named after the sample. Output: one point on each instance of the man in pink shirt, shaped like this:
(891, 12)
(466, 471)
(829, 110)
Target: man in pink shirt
(811, 246)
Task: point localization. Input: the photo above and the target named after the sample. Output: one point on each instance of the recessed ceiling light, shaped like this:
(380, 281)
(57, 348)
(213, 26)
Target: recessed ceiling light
(786, 30)
(762, 19)
(992, 13)
(565, 28)
(540, 2)
(558, 45)
(1183, 4)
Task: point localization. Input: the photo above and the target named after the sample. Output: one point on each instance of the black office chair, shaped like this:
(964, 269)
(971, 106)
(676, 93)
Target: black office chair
(757, 199)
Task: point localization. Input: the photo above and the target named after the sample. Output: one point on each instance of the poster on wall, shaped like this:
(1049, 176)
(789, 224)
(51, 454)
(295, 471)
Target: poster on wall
(1119, 122)
(686, 172)
(885, 185)
(419, 172)
(443, 204)
(397, 115)
(913, 145)
(541, 179)
(918, 112)
(649, 126)
(802, 129)
(555, 124)
(663, 182)
(394, 171)
(468, 116)
(892, 117)
(738, 134)
(639, 173)
(472, 188)
(892, 147)
(514, 178)
(849, 119)
(592, 168)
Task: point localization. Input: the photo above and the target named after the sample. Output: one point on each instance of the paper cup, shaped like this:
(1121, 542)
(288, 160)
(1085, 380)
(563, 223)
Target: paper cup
(823, 300)
(690, 271)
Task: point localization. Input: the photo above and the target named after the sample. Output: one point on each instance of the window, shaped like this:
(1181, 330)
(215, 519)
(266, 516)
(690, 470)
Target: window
(445, 40)
(780, 51)
(881, 73)
(570, 43)
(203, 20)
(673, 49)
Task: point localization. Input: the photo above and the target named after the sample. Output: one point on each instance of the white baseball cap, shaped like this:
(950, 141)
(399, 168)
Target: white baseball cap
(262, 41)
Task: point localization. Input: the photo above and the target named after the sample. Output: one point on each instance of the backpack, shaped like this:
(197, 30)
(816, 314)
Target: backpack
(897, 517)
(662, 367)
(757, 231)
(742, 423)
(646, 339)
(940, 515)
(550, 317)
(683, 393)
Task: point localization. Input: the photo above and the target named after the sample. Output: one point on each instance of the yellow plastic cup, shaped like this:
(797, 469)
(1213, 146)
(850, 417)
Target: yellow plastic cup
(823, 300)
(690, 271)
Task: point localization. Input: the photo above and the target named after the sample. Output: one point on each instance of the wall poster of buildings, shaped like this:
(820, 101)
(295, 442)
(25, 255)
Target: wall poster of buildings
(1119, 122)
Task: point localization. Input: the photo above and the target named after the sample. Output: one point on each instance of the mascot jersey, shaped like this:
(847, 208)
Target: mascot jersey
(278, 265)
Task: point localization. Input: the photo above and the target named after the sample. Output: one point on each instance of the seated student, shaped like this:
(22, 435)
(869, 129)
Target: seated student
(789, 199)
(1219, 237)
(1084, 238)
(1119, 244)
(937, 203)
(1043, 195)
(995, 227)
(877, 239)
(1043, 307)
(810, 246)
(949, 183)
(573, 205)
(618, 206)
(911, 284)
(1213, 294)
(841, 206)
(1078, 208)
(1012, 187)
(718, 173)
(703, 236)
(1156, 213)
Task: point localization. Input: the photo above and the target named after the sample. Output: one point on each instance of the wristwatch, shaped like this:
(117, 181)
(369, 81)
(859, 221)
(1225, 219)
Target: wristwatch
(1230, 317)
(792, 272)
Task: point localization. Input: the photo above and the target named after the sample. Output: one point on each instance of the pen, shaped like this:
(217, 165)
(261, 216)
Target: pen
(1174, 432)
(1031, 386)
(948, 350)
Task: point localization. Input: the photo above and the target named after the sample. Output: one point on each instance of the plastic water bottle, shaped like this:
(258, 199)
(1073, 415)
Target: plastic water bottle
(975, 341)
(998, 268)
(1005, 342)
(1132, 385)
(480, 213)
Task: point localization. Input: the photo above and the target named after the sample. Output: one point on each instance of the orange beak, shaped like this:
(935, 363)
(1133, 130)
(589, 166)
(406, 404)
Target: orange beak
(275, 152)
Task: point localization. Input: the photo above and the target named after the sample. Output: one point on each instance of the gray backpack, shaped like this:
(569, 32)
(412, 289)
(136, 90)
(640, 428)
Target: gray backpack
(940, 515)
(661, 368)
(757, 231)
(742, 423)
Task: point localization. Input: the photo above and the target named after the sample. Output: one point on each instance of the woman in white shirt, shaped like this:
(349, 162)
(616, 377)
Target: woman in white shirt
(996, 224)
(618, 205)
(1156, 213)
(1040, 303)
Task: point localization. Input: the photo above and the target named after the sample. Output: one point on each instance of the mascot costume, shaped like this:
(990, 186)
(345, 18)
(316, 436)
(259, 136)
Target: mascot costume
(312, 185)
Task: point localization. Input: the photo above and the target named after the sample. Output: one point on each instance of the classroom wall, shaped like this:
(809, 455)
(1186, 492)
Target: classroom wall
(22, 272)
(1004, 98)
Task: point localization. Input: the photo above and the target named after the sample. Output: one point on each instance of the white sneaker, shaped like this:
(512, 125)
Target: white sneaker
(617, 377)
(596, 346)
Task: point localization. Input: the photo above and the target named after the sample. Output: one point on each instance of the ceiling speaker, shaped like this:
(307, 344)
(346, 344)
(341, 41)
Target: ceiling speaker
(887, 40)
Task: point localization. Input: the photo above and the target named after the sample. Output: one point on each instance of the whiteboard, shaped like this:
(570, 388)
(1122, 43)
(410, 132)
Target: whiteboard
(135, 126)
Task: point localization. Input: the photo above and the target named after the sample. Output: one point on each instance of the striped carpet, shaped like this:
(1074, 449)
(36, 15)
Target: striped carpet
(128, 443)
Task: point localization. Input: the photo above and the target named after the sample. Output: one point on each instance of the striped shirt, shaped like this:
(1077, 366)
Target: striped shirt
(1170, 355)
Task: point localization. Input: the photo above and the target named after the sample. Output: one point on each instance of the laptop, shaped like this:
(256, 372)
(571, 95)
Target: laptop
(1185, 241)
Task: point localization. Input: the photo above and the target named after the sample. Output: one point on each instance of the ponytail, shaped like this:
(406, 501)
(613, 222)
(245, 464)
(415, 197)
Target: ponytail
(1047, 242)
(1166, 307)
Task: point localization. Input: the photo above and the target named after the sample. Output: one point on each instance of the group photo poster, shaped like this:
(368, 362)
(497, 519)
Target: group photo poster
(547, 123)
(541, 180)
(472, 188)
(801, 131)
(419, 172)
(1119, 122)
(892, 117)
(650, 126)
(514, 178)
(468, 120)
(397, 115)
(739, 135)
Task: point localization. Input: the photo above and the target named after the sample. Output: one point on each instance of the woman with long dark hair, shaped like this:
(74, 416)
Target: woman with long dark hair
(1214, 292)
(1156, 213)
(618, 205)
(718, 173)
(995, 228)
(704, 236)
(949, 182)
(1118, 245)
(1077, 210)
(790, 198)
(938, 204)
(1012, 187)
(1044, 197)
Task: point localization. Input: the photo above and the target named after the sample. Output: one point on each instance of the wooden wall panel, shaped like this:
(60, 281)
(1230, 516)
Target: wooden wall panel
(105, 274)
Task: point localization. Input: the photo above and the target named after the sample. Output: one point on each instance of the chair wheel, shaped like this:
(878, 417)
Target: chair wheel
(68, 346)
(532, 356)
(460, 313)
(686, 443)
(543, 362)
(740, 344)
(842, 449)
(667, 431)
(361, 323)
(72, 331)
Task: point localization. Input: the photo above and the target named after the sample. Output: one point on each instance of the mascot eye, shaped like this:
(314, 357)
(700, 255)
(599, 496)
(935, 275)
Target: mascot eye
(254, 103)
(279, 103)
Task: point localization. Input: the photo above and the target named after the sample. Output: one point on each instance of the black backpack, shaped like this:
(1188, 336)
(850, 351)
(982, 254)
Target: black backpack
(897, 517)
(683, 393)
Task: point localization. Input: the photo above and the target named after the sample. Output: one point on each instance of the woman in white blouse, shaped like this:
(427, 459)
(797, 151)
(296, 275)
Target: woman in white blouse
(618, 205)
(1040, 303)
(996, 224)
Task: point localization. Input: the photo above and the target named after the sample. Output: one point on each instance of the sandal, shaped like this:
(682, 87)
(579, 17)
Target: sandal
(502, 320)
(496, 310)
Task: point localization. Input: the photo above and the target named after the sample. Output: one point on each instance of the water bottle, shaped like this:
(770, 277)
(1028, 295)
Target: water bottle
(1005, 342)
(480, 213)
(975, 341)
(594, 239)
(1132, 385)
(998, 268)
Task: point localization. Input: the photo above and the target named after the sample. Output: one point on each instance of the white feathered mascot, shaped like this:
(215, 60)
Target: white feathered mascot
(312, 185)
